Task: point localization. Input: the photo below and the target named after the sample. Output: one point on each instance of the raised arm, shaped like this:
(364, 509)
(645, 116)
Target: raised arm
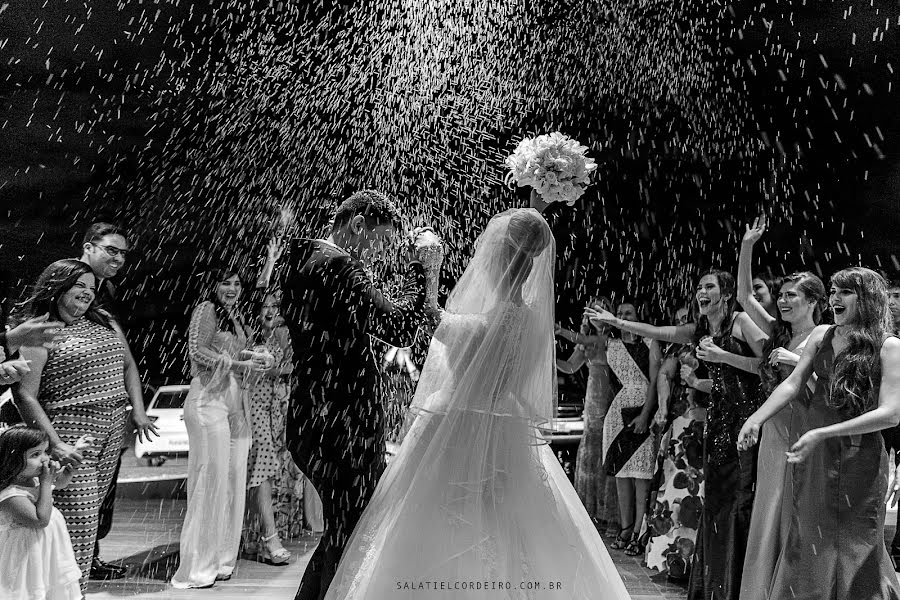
(745, 298)
(682, 334)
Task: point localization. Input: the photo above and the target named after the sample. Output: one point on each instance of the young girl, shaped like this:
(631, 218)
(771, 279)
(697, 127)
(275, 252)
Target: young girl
(36, 557)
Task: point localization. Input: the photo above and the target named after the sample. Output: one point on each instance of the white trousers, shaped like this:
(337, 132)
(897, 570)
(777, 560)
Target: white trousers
(219, 437)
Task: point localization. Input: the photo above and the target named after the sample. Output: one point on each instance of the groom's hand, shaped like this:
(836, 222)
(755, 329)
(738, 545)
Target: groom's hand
(427, 247)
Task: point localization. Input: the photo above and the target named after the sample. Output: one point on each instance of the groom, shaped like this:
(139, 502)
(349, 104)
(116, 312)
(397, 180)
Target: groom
(335, 425)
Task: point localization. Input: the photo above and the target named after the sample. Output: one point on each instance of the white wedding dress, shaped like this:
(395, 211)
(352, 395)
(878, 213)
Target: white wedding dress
(475, 504)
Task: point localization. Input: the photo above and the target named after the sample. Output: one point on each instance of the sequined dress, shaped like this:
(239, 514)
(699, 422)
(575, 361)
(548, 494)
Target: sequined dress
(729, 477)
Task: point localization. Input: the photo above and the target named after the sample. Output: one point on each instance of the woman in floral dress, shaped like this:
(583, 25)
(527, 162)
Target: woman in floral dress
(675, 514)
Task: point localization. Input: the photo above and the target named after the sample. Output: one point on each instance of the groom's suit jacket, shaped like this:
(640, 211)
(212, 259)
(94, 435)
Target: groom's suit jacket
(336, 419)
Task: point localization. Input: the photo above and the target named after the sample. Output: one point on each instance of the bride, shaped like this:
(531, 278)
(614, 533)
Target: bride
(475, 505)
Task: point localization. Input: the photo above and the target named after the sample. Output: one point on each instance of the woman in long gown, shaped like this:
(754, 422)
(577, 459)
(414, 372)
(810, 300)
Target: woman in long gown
(475, 505)
(835, 548)
(730, 343)
(800, 300)
(596, 490)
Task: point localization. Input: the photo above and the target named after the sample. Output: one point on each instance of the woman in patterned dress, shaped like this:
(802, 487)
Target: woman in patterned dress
(675, 514)
(217, 419)
(636, 365)
(596, 490)
(265, 464)
(77, 393)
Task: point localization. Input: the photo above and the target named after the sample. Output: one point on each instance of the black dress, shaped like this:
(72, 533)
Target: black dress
(335, 422)
(730, 477)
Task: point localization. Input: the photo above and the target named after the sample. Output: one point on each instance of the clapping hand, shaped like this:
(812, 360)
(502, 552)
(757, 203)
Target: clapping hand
(755, 231)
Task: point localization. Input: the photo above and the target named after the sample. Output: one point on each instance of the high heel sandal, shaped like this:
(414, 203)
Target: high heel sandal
(637, 544)
(278, 556)
(622, 541)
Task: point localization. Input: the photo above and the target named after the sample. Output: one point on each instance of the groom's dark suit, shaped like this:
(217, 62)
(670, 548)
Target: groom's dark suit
(335, 425)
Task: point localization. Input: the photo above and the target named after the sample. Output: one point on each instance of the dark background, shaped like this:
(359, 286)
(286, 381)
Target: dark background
(192, 126)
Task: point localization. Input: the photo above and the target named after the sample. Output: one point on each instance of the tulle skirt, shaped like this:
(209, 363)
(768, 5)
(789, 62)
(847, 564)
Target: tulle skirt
(39, 564)
(473, 506)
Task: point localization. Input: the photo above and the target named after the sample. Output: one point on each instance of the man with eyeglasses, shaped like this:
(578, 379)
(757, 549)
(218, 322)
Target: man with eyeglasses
(104, 249)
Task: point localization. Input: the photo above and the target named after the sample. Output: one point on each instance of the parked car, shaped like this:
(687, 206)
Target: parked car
(166, 410)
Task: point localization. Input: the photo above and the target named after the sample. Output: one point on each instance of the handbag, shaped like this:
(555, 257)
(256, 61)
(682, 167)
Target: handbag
(626, 443)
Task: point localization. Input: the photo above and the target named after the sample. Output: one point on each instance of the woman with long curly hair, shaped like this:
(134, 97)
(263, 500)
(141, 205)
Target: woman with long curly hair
(801, 303)
(835, 547)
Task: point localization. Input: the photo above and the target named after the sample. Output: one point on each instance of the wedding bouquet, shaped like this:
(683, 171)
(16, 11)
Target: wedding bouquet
(554, 165)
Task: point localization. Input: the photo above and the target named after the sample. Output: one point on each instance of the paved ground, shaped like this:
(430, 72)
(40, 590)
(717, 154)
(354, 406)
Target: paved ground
(145, 537)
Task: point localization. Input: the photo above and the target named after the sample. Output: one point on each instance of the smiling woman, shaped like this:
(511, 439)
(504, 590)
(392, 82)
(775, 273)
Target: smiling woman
(76, 393)
(835, 545)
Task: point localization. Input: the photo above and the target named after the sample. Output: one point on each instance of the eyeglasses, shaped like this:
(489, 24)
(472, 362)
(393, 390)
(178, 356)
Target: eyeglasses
(113, 251)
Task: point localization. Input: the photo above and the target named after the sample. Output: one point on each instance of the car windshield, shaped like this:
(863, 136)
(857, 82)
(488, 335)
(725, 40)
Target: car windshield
(170, 399)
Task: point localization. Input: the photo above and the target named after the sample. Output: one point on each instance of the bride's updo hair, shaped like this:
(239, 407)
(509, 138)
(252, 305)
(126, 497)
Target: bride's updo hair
(528, 232)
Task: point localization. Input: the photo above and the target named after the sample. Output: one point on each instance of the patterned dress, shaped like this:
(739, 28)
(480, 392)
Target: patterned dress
(83, 392)
(264, 463)
(675, 516)
(634, 383)
(729, 477)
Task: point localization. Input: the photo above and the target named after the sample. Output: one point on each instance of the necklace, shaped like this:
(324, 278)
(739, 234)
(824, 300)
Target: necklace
(802, 333)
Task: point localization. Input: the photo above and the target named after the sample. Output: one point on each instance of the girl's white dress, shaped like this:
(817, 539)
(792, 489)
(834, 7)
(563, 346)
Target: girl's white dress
(36, 564)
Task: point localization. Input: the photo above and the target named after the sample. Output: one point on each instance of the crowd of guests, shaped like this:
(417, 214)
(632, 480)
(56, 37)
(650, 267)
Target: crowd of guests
(76, 388)
(744, 449)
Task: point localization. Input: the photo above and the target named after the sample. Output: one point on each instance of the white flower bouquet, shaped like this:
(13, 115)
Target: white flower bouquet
(554, 165)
